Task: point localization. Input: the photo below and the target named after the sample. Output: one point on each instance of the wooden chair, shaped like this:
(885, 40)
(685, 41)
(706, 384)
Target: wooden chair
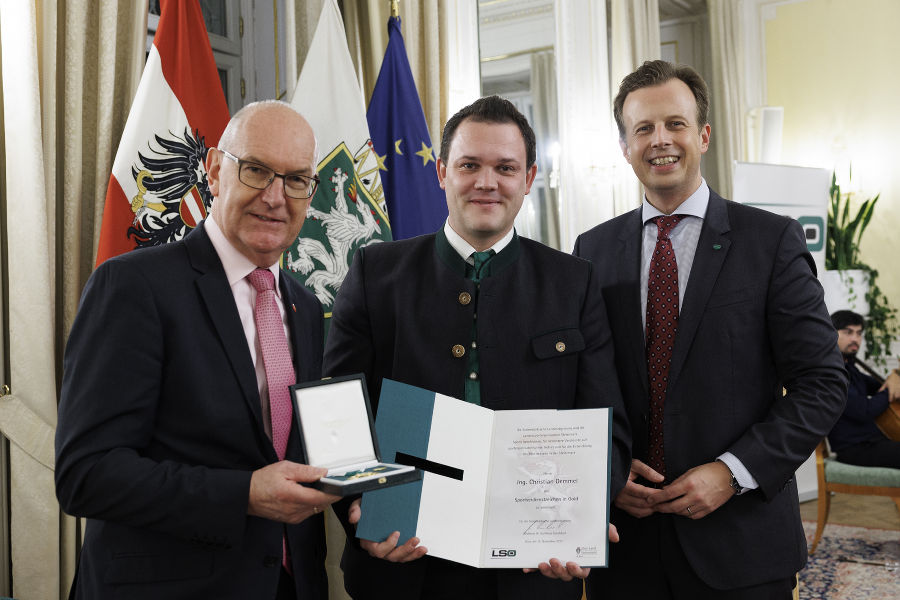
(835, 476)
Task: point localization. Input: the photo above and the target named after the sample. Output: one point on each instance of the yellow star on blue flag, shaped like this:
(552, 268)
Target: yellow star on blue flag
(426, 153)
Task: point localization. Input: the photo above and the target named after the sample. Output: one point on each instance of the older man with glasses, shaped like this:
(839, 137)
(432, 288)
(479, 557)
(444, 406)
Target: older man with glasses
(296, 185)
(174, 436)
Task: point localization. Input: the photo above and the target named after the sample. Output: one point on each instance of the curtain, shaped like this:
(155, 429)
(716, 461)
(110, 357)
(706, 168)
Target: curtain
(438, 38)
(426, 34)
(69, 70)
(366, 26)
(304, 16)
(634, 36)
(589, 152)
(634, 33)
(727, 108)
(463, 73)
(28, 414)
(546, 129)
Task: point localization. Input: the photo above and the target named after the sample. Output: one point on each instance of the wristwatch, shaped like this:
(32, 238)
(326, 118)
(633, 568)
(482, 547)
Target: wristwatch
(738, 488)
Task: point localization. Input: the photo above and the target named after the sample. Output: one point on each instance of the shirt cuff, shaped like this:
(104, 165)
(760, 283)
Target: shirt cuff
(740, 472)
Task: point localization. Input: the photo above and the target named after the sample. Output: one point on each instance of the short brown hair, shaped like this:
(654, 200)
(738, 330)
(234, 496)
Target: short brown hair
(490, 109)
(657, 72)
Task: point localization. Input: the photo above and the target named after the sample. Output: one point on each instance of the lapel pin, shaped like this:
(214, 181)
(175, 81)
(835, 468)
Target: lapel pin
(717, 246)
(293, 308)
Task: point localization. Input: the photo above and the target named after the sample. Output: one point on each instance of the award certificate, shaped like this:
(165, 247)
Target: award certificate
(501, 489)
(547, 495)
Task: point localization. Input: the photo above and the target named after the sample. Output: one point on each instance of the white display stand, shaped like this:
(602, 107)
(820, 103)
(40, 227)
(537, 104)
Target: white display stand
(808, 480)
(798, 192)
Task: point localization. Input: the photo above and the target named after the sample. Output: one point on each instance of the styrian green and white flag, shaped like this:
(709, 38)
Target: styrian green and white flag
(348, 209)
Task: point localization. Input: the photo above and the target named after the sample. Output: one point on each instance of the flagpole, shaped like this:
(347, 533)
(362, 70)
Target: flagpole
(395, 8)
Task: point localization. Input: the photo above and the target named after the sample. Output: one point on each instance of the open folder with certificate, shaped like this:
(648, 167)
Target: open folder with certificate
(502, 489)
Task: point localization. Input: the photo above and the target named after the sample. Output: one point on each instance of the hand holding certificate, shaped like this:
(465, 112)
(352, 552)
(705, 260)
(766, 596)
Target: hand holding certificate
(388, 549)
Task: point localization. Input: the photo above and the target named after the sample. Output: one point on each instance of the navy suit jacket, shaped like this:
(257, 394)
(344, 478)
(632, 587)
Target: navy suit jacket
(864, 404)
(160, 428)
(752, 322)
(399, 314)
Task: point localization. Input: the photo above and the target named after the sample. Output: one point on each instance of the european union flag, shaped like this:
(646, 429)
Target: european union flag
(415, 201)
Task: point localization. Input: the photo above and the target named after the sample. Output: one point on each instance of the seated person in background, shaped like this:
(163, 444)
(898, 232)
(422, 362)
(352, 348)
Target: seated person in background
(855, 437)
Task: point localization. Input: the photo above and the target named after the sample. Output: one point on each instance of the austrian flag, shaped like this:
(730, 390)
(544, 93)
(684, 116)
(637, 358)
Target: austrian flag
(157, 190)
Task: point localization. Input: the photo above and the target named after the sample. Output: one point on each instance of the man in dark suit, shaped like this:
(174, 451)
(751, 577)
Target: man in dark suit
(165, 440)
(407, 311)
(856, 438)
(733, 315)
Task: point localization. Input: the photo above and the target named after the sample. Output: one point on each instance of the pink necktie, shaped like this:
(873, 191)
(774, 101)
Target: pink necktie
(279, 368)
(662, 323)
(276, 357)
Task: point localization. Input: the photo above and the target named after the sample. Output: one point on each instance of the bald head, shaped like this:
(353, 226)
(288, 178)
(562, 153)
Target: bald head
(288, 112)
(261, 224)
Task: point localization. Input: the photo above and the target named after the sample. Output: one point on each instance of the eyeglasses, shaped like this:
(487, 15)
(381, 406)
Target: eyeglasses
(257, 176)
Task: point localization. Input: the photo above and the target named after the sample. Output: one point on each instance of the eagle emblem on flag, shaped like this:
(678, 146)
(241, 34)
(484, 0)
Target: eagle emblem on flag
(173, 195)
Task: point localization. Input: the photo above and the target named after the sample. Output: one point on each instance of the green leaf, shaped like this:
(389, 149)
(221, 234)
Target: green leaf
(844, 236)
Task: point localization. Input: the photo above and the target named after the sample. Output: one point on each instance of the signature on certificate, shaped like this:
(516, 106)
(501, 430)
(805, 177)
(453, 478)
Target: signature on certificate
(546, 525)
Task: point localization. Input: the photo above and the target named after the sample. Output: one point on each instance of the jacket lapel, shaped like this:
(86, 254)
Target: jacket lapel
(219, 301)
(302, 359)
(712, 249)
(628, 265)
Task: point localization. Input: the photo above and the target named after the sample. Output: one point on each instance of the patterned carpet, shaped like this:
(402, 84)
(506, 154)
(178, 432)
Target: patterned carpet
(828, 577)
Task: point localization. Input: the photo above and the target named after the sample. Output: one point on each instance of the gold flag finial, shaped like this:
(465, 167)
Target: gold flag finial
(395, 8)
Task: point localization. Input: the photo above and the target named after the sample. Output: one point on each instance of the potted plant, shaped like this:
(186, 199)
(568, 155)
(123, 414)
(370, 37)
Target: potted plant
(845, 231)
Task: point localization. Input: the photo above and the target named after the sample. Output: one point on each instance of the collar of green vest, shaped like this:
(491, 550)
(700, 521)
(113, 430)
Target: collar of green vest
(457, 264)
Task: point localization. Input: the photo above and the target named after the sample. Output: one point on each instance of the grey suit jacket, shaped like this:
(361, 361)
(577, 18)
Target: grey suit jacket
(753, 322)
(160, 427)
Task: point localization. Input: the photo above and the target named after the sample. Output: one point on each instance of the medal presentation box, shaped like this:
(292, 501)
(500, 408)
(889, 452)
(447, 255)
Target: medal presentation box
(501, 489)
(337, 433)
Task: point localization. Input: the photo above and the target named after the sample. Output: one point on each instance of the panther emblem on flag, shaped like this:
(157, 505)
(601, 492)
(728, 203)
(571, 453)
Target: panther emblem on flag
(173, 194)
(344, 215)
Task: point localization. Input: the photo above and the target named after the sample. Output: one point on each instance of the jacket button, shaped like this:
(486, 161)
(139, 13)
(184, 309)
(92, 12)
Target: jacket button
(458, 350)
(271, 561)
(465, 298)
(560, 346)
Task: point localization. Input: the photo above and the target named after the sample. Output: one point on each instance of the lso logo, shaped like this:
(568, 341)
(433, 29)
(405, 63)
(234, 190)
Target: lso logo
(502, 553)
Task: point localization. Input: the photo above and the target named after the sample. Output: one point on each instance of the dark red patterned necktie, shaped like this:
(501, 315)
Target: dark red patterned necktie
(662, 322)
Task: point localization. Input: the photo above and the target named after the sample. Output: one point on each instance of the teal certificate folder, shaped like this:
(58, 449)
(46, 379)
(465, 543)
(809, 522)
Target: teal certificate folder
(501, 489)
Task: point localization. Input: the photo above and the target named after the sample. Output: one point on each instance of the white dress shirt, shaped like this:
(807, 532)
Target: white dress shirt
(237, 267)
(684, 237)
(465, 249)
